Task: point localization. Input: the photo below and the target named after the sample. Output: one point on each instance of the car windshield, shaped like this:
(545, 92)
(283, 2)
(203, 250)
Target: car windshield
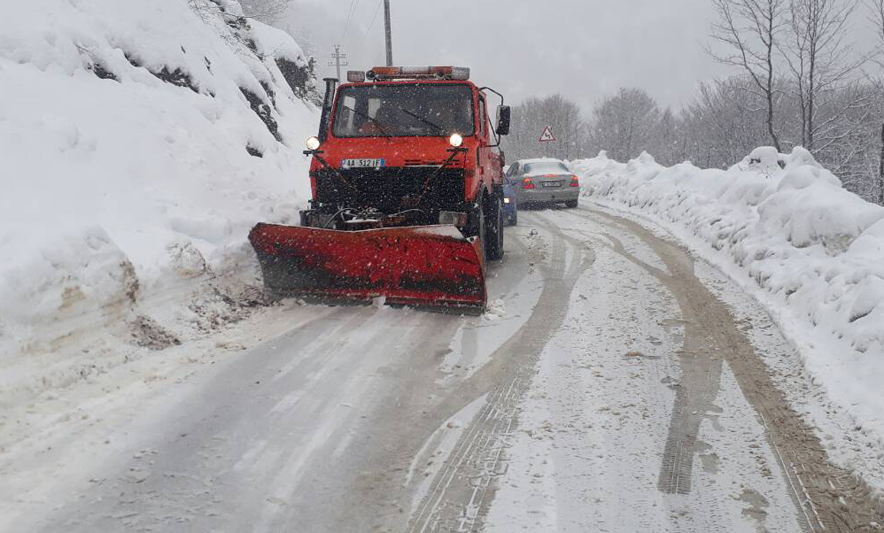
(414, 110)
(546, 167)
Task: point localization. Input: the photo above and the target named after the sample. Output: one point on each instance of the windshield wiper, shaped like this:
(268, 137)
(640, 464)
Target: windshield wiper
(422, 119)
(374, 121)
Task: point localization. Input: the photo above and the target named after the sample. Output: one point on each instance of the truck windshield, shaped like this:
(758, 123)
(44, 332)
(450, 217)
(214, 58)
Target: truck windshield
(413, 110)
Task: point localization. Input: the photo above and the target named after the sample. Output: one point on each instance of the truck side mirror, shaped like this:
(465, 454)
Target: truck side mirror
(503, 120)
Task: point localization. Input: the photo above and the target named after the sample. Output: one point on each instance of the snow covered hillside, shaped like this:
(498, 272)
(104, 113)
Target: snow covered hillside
(783, 227)
(139, 142)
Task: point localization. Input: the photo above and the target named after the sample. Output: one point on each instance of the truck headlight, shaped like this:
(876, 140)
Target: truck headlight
(456, 140)
(313, 143)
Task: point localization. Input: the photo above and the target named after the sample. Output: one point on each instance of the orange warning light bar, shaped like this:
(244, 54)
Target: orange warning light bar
(415, 73)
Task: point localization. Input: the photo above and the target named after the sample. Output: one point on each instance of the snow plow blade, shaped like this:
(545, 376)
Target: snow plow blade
(423, 266)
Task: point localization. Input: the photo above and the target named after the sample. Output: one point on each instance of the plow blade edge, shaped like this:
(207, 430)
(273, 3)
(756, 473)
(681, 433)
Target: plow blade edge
(425, 266)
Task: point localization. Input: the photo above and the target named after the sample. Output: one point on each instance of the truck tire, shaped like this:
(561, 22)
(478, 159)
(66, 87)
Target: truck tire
(494, 229)
(476, 228)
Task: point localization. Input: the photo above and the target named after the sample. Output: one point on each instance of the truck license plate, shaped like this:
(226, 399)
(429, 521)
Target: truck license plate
(362, 163)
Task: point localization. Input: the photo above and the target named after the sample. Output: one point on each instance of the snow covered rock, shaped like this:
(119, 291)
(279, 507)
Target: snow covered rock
(765, 159)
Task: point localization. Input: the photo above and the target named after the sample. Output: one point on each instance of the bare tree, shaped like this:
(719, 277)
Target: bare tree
(726, 120)
(624, 124)
(669, 139)
(877, 18)
(533, 115)
(750, 32)
(881, 170)
(819, 58)
(566, 118)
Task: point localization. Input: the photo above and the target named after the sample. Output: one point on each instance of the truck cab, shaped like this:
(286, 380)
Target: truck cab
(409, 146)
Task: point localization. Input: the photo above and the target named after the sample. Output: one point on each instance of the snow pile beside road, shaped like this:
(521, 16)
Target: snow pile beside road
(139, 142)
(786, 228)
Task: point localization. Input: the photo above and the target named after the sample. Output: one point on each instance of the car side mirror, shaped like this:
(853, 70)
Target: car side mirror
(503, 120)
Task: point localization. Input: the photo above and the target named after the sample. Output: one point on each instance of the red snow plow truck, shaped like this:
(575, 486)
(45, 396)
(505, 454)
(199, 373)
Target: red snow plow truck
(407, 190)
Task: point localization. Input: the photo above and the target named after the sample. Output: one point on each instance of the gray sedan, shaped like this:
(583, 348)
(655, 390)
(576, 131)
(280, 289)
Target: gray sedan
(543, 181)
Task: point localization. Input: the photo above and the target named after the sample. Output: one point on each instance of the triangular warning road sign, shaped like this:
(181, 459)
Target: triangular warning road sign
(547, 136)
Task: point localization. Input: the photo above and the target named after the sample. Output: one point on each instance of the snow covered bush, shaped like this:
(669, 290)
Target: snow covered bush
(139, 141)
(786, 229)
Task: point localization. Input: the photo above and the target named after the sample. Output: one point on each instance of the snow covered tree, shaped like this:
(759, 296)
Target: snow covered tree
(267, 11)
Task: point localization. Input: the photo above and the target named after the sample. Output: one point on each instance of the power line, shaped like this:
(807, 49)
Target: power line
(349, 16)
(354, 4)
(375, 18)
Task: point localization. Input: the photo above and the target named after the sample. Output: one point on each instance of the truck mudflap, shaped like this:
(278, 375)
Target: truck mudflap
(423, 266)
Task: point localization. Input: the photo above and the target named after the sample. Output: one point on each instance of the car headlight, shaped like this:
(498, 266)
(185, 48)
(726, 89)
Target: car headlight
(506, 200)
(456, 140)
(313, 143)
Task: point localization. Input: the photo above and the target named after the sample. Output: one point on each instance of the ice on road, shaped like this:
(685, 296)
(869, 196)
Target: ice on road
(612, 389)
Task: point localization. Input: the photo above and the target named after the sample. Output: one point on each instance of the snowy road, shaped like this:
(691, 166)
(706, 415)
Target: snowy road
(611, 388)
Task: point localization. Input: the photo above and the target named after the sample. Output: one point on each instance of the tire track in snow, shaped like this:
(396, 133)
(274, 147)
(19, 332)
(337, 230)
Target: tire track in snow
(695, 393)
(201, 459)
(462, 492)
(827, 498)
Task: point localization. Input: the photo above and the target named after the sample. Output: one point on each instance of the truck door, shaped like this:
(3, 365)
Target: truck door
(488, 159)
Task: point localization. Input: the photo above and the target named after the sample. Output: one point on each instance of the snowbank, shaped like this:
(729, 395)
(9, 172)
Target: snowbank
(139, 142)
(812, 252)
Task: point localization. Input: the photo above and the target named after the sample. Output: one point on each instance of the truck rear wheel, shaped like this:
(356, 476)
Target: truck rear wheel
(494, 229)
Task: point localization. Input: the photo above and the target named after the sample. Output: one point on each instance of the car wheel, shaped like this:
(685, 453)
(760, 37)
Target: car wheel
(571, 204)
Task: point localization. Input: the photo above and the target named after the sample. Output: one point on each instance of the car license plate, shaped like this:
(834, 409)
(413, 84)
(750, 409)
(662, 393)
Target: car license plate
(552, 184)
(362, 163)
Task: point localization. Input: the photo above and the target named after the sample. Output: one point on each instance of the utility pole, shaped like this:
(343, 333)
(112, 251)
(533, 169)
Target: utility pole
(388, 32)
(338, 56)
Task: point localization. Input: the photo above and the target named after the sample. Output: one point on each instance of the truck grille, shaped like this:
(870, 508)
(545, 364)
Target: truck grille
(385, 188)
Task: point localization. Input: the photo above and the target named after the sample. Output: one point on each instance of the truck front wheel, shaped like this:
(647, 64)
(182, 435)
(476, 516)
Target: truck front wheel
(477, 227)
(494, 229)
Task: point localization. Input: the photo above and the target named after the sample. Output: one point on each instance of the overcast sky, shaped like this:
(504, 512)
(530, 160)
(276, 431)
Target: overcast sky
(583, 49)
